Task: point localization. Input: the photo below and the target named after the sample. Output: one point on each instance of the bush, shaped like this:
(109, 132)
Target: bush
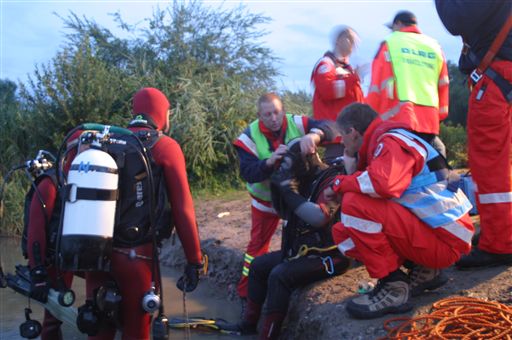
(455, 139)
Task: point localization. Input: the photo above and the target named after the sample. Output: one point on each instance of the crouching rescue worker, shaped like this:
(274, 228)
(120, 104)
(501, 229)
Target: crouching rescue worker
(402, 204)
(260, 148)
(42, 225)
(132, 260)
(307, 254)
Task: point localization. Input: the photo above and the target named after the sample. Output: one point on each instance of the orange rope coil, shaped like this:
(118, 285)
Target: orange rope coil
(455, 318)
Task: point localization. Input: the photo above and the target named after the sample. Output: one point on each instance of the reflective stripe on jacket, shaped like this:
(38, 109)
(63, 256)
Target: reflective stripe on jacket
(429, 196)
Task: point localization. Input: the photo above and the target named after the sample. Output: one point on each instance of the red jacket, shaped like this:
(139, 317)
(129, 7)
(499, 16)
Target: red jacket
(336, 86)
(386, 168)
(384, 100)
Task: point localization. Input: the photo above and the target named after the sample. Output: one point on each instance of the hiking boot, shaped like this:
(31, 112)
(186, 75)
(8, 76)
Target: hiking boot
(423, 278)
(391, 295)
(481, 258)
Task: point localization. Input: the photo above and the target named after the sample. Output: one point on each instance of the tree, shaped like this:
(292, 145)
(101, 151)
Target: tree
(459, 95)
(210, 63)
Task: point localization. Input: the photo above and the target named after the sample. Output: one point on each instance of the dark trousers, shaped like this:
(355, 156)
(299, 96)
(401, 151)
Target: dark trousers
(273, 279)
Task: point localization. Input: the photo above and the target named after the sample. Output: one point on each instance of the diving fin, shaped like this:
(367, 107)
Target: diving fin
(205, 324)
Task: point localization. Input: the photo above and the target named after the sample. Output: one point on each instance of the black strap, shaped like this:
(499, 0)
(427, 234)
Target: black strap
(91, 194)
(503, 84)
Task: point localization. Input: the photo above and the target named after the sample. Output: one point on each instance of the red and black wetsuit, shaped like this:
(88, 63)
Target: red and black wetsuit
(133, 276)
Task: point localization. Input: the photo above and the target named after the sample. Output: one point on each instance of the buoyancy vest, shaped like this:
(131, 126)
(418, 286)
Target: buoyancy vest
(433, 195)
(417, 62)
(261, 148)
(132, 220)
(52, 222)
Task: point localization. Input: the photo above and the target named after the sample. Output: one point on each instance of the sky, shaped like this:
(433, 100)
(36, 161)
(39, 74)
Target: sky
(31, 31)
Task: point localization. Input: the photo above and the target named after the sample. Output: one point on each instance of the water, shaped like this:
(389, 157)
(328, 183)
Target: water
(204, 301)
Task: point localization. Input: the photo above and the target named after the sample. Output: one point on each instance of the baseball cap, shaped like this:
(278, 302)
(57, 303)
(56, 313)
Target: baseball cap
(405, 17)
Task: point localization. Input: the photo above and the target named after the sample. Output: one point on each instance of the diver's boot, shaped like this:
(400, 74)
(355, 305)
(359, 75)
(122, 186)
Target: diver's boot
(250, 318)
(271, 327)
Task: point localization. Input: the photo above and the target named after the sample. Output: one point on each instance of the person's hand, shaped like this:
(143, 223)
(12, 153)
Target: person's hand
(39, 285)
(331, 195)
(277, 155)
(188, 282)
(308, 143)
(350, 162)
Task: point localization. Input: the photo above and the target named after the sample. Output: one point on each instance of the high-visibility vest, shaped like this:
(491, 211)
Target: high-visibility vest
(417, 61)
(430, 196)
(294, 129)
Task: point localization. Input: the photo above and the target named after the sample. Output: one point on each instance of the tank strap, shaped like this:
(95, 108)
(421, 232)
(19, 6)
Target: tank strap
(73, 193)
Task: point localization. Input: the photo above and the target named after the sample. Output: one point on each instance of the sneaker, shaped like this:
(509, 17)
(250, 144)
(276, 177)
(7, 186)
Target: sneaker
(423, 278)
(391, 295)
(481, 258)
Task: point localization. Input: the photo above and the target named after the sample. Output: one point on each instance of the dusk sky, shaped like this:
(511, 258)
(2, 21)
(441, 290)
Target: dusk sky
(30, 32)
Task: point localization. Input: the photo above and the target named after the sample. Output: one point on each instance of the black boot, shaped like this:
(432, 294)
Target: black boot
(481, 258)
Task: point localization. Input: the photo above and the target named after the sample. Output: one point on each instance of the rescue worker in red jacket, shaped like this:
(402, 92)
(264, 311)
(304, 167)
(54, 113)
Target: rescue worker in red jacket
(401, 204)
(260, 148)
(489, 124)
(409, 82)
(131, 266)
(336, 84)
(42, 230)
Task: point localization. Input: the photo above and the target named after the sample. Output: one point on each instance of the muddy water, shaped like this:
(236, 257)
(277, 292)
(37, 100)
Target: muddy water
(204, 301)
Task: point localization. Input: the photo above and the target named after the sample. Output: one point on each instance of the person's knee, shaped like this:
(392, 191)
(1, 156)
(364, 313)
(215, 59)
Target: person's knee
(281, 276)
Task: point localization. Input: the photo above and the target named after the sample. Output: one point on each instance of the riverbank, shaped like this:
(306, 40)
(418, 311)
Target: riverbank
(318, 310)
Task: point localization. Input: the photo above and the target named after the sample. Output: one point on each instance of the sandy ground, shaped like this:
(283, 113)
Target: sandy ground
(317, 311)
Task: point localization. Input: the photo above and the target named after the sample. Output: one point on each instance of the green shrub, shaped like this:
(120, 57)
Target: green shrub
(455, 139)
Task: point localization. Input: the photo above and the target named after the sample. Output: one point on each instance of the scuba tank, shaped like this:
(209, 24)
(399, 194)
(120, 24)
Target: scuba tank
(89, 194)
(89, 211)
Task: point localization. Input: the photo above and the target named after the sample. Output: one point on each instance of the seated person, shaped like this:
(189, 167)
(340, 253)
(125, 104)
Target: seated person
(274, 276)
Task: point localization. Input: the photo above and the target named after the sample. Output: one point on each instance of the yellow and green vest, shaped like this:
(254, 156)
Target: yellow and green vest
(294, 130)
(417, 61)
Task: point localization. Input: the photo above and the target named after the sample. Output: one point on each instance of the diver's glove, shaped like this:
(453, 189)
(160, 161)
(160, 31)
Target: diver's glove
(188, 282)
(39, 285)
(288, 188)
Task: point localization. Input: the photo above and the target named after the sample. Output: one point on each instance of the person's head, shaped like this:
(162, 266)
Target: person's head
(352, 123)
(271, 111)
(151, 105)
(344, 40)
(402, 19)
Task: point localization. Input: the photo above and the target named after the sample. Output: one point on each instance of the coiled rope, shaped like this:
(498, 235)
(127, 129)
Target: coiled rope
(455, 318)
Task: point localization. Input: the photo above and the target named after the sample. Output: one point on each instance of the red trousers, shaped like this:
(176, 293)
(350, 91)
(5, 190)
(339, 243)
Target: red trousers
(490, 160)
(133, 278)
(264, 225)
(382, 234)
